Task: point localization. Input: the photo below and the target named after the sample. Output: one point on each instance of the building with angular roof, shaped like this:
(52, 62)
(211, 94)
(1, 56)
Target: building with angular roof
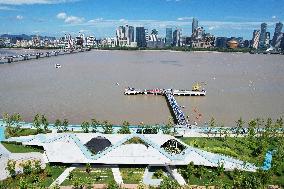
(126, 149)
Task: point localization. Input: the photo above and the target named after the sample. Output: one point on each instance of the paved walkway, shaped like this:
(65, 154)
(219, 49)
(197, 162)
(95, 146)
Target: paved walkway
(117, 176)
(3, 150)
(63, 176)
(147, 178)
(174, 173)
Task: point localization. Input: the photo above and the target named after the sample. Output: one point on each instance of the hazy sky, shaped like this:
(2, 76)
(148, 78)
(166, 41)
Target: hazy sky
(101, 17)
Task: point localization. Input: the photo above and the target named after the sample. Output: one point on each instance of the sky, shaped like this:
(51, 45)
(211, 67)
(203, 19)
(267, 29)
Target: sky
(101, 17)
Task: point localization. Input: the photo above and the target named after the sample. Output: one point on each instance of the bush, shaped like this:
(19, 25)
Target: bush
(158, 173)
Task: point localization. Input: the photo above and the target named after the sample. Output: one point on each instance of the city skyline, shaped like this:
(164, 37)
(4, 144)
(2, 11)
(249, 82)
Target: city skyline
(57, 17)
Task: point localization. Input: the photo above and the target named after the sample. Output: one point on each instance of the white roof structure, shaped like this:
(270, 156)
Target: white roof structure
(71, 148)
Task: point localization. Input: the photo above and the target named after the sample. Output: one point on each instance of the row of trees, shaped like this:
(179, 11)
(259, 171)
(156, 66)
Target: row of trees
(41, 124)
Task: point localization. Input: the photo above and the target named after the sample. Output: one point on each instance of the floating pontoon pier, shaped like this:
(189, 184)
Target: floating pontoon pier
(178, 115)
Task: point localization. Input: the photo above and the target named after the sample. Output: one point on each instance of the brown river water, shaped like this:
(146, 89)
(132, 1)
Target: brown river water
(238, 85)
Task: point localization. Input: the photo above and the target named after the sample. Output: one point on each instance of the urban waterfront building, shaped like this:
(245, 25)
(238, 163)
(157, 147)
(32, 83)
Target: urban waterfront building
(262, 37)
(177, 38)
(194, 24)
(282, 42)
(129, 32)
(140, 37)
(169, 36)
(155, 41)
(277, 37)
(267, 39)
(221, 42)
(255, 39)
(125, 35)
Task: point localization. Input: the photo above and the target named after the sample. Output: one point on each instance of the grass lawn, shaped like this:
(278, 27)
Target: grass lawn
(44, 179)
(19, 148)
(234, 147)
(96, 176)
(16, 132)
(132, 175)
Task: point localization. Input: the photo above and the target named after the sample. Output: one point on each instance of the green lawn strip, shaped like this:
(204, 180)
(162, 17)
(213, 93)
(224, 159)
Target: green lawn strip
(132, 175)
(96, 176)
(56, 171)
(44, 180)
(234, 147)
(20, 132)
(19, 148)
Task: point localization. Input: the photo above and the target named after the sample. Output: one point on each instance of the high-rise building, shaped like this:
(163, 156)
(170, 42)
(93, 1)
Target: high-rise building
(194, 24)
(177, 38)
(221, 42)
(129, 32)
(267, 39)
(169, 36)
(125, 35)
(277, 37)
(147, 35)
(282, 42)
(140, 37)
(255, 39)
(262, 37)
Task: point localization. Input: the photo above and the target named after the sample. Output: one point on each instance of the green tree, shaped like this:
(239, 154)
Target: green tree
(212, 125)
(44, 122)
(85, 126)
(220, 169)
(58, 125)
(27, 167)
(168, 127)
(37, 167)
(23, 184)
(12, 124)
(107, 127)
(240, 124)
(124, 128)
(88, 168)
(169, 183)
(65, 124)
(77, 183)
(252, 128)
(11, 120)
(11, 168)
(37, 122)
(94, 125)
(112, 185)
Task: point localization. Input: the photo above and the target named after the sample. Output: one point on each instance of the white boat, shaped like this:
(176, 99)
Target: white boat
(132, 91)
(57, 66)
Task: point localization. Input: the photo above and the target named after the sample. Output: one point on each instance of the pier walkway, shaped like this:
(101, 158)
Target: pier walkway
(176, 110)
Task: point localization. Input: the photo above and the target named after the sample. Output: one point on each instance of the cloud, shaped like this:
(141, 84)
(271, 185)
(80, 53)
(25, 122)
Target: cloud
(273, 17)
(184, 18)
(61, 15)
(69, 19)
(73, 20)
(5, 8)
(30, 2)
(19, 17)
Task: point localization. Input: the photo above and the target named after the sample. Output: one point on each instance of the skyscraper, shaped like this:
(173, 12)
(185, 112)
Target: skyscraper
(140, 37)
(169, 36)
(255, 39)
(129, 31)
(262, 37)
(177, 38)
(267, 39)
(277, 35)
(194, 24)
(125, 35)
